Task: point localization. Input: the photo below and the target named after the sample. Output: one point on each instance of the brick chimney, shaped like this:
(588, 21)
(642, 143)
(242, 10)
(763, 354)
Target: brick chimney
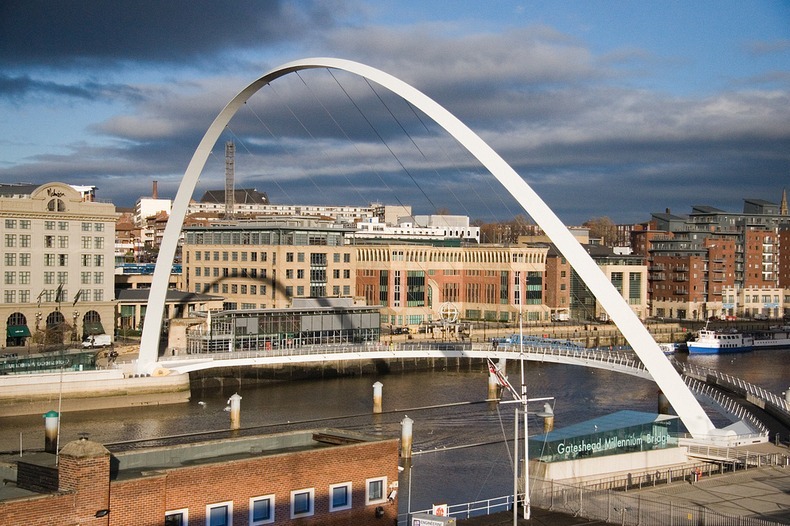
(155, 191)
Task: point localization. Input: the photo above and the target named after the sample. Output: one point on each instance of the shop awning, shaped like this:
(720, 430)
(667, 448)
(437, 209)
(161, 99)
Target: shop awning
(93, 327)
(18, 331)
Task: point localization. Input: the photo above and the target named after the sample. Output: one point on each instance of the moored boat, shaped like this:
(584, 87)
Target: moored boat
(772, 338)
(714, 342)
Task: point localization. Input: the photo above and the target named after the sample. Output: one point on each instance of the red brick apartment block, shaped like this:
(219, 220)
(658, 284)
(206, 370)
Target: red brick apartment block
(325, 477)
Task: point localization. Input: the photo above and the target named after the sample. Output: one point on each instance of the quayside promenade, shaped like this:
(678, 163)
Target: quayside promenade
(757, 496)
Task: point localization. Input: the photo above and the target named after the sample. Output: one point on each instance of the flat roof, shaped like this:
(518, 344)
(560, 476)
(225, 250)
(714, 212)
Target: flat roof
(611, 422)
(151, 461)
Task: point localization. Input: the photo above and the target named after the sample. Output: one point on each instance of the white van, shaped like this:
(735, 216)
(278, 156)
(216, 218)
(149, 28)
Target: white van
(97, 340)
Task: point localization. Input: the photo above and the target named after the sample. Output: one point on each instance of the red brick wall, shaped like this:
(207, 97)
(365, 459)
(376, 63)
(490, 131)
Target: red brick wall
(143, 501)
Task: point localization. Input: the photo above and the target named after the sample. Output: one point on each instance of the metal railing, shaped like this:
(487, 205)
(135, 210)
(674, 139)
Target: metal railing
(636, 509)
(738, 385)
(468, 509)
(616, 499)
(616, 359)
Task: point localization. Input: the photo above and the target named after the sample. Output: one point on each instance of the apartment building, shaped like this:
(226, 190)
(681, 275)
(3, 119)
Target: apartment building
(715, 263)
(265, 264)
(57, 265)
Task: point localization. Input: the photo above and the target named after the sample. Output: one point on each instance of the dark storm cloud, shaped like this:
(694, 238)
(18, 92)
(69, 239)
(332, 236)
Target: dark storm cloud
(62, 34)
(587, 143)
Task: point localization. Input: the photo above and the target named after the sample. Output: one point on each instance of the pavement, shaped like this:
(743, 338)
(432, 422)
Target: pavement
(761, 493)
(538, 517)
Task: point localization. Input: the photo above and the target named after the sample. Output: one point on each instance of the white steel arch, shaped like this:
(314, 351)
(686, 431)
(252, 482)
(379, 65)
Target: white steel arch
(686, 406)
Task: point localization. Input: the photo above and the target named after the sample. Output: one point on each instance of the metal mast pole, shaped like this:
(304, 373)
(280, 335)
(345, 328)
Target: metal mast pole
(524, 471)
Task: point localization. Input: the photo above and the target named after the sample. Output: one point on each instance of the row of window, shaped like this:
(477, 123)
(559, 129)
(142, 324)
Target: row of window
(315, 258)
(12, 277)
(52, 260)
(48, 296)
(316, 274)
(302, 504)
(316, 290)
(26, 224)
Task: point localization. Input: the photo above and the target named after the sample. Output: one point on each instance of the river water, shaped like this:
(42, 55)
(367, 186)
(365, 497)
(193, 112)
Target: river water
(443, 471)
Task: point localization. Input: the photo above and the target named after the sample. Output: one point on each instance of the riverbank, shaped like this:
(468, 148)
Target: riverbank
(87, 390)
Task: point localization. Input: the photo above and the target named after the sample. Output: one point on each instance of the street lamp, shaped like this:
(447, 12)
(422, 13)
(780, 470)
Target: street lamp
(74, 317)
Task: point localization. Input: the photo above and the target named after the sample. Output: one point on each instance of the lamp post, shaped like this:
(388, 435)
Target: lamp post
(74, 317)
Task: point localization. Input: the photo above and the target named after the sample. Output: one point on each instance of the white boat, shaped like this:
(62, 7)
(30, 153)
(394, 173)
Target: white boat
(772, 338)
(668, 348)
(714, 342)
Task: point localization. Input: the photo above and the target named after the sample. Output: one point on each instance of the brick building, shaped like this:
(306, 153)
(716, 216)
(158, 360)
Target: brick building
(717, 263)
(319, 477)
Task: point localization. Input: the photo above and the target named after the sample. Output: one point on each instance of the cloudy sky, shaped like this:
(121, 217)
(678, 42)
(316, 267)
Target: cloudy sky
(612, 109)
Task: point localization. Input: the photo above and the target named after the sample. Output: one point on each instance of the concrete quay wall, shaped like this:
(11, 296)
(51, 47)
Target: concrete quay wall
(87, 390)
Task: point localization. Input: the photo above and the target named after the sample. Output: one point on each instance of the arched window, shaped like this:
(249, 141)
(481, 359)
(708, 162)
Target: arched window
(56, 205)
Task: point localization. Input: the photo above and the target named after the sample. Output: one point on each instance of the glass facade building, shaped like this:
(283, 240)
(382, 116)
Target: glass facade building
(621, 432)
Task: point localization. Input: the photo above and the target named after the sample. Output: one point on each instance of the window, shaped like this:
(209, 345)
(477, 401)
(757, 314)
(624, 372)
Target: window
(261, 510)
(374, 490)
(340, 496)
(220, 514)
(56, 205)
(177, 517)
(302, 503)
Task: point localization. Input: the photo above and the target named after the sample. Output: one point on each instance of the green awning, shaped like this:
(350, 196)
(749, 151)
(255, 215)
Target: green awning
(18, 331)
(93, 327)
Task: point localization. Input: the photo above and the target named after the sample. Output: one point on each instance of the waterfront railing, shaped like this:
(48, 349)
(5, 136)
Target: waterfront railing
(617, 499)
(755, 394)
